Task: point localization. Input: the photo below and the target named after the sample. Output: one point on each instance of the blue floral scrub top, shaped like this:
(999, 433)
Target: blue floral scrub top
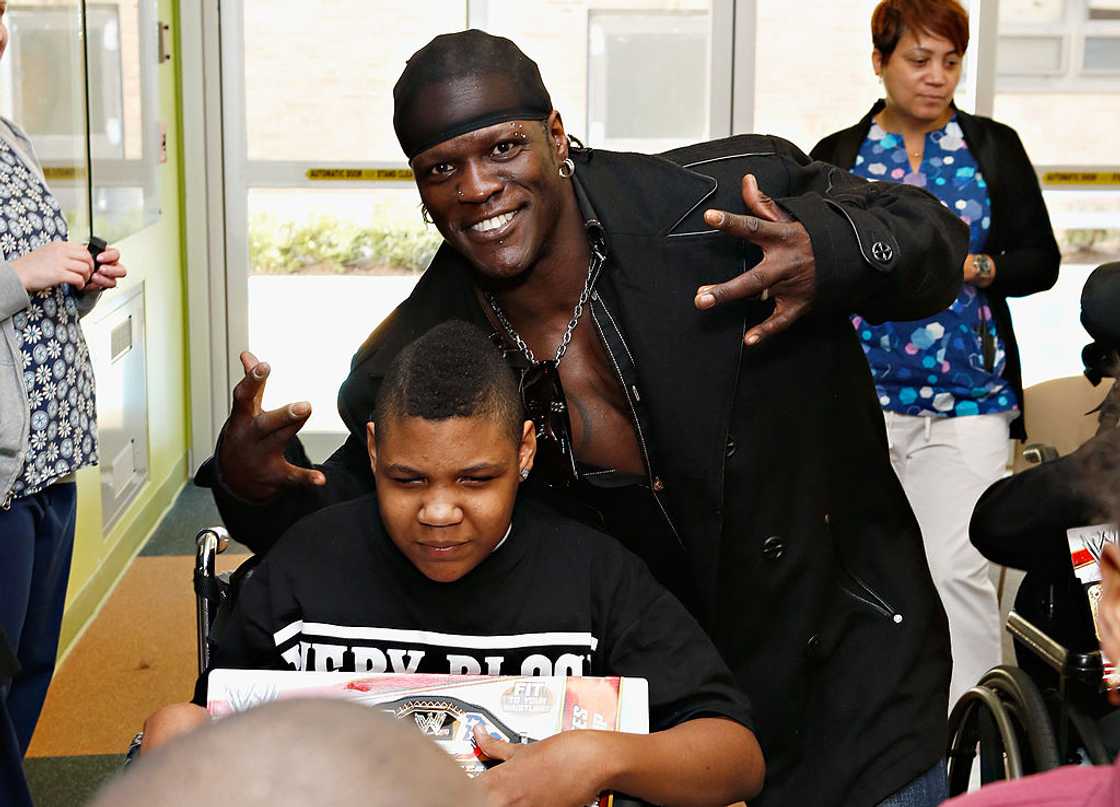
(57, 373)
(942, 365)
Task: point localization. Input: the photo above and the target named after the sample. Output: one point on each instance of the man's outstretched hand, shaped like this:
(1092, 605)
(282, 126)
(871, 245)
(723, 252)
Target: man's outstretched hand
(787, 273)
(251, 454)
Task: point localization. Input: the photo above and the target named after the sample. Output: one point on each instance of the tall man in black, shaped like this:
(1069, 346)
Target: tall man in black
(682, 322)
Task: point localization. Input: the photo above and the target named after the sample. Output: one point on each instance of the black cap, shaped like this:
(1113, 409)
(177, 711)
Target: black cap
(1100, 305)
(461, 82)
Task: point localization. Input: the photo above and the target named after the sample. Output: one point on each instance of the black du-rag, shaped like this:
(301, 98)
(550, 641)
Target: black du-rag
(461, 82)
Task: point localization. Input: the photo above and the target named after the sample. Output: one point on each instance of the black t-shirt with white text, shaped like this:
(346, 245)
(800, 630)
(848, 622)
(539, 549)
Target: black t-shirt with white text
(556, 598)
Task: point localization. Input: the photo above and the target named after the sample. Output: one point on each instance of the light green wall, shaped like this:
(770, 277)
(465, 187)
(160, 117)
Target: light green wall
(153, 255)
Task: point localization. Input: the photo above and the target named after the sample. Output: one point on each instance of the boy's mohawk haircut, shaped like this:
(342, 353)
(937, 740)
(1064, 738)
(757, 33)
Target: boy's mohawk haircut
(451, 371)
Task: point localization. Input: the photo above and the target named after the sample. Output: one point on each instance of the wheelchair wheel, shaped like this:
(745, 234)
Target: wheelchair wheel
(1085, 735)
(980, 719)
(1027, 708)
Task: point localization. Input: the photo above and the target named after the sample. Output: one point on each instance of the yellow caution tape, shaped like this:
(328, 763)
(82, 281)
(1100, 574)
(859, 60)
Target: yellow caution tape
(1081, 178)
(360, 174)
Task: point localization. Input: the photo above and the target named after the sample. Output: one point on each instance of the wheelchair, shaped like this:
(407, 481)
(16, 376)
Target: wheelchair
(213, 592)
(1051, 710)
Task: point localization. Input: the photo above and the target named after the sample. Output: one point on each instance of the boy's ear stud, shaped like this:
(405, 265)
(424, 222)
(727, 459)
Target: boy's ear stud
(524, 474)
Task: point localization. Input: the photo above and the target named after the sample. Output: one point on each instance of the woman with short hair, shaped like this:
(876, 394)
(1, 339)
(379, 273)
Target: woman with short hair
(950, 385)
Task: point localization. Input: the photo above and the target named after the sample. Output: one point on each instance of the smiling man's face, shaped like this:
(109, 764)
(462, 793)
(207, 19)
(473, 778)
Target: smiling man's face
(496, 193)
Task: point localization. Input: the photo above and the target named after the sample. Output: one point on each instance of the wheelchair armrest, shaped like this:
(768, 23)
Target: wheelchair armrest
(1038, 453)
(1086, 668)
(1039, 643)
(209, 543)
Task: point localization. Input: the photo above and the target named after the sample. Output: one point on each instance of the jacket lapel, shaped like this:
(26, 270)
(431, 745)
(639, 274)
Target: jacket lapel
(659, 253)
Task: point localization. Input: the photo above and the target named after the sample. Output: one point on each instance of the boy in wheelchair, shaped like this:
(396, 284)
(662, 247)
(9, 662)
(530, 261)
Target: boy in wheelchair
(444, 570)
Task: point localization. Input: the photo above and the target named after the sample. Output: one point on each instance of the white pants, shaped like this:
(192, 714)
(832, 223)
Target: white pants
(944, 465)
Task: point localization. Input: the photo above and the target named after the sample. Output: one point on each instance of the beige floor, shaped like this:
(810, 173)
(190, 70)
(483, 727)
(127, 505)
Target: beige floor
(138, 655)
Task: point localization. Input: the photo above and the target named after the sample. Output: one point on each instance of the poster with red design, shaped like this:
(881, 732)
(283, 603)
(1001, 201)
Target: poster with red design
(1085, 547)
(517, 709)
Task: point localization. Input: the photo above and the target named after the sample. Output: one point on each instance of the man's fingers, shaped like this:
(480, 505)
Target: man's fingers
(249, 391)
(491, 747)
(248, 361)
(281, 424)
(304, 477)
(777, 322)
(751, 283)
(759, 203)
(747, 227)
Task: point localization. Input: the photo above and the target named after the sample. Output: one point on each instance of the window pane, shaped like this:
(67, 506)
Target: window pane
(1029, 55)
(1047, 121)
(629, 93)
(1031, 11)
(813, 71)
(41, 90)
(1047, 325)
(642, 56)
(1102, 53)
(319, 74)
(344, 259)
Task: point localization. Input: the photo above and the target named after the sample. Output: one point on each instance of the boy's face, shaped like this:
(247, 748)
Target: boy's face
(446, 488)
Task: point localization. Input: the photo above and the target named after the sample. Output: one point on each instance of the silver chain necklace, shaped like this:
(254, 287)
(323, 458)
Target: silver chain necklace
(593, 265)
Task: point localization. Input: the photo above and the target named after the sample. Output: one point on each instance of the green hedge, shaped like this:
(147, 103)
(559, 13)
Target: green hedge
(325, 245)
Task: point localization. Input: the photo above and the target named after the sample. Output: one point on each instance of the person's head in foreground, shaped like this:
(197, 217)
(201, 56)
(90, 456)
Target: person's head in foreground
(326, 753)
(1100, 316)
(487, 149)
(918, 49)
(449, 446)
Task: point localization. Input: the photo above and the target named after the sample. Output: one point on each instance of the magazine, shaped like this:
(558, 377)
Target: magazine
(518, 709)
(1085, 547)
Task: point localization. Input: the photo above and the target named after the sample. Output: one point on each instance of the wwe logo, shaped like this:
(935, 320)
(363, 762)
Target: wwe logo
(1094, 543)
(431, 723)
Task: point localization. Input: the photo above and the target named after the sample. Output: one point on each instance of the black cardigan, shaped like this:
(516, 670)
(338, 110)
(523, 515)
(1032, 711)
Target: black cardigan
(1020, 239)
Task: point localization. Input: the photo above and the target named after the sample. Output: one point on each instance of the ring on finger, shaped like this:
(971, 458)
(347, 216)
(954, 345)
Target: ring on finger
(765, 295)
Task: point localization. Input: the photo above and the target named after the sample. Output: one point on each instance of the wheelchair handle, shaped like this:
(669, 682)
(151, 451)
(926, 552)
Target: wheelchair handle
(209, 543)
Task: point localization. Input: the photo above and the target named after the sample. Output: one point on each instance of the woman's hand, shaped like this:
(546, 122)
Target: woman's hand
(563, 771)
(57, 262)
(109, 270)
(979, 270)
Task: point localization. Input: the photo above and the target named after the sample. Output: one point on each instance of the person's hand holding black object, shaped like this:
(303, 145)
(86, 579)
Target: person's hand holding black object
(108, 270)
(787, 272)
(53, 264)
(251, 449)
